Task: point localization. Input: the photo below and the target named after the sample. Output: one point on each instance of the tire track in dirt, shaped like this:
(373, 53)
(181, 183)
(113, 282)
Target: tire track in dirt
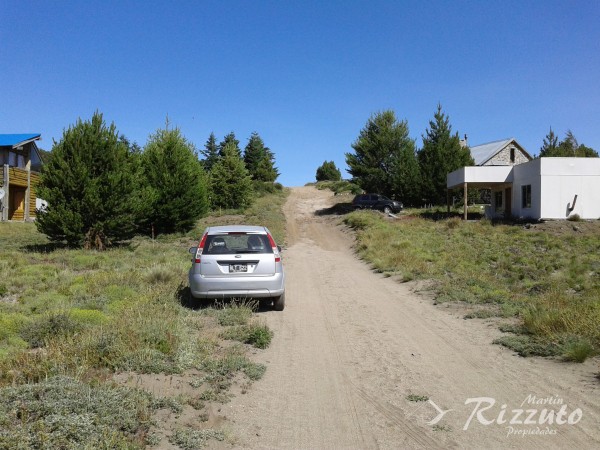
(351, 345)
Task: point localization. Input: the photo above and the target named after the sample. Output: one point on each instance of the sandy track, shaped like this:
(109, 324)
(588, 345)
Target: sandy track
(351, 346)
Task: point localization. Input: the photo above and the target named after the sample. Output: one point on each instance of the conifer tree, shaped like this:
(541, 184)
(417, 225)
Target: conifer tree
(328, 172)
(440, 155)
(550, 144)
(568, 147)
(230, 139)
(230, 182)
(384, 161)
(210, 152)
(259, 160)
(177, 180)
(94, 192)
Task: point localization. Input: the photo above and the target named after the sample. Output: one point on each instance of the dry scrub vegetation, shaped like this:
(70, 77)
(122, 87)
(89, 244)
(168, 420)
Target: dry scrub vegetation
(71, 320)
(549, 281)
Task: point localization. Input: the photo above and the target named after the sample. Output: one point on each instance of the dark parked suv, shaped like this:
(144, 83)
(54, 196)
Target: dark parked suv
(376, 201)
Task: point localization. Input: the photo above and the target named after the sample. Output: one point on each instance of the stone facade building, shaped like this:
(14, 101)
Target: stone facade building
(506, 152)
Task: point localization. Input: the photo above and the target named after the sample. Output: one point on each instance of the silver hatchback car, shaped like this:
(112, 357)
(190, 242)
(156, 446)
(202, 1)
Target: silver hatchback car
(238, 261)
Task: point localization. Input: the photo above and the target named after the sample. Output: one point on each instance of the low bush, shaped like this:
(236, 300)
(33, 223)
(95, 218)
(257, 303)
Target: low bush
(257, 335)
(189, 439)
(62, 412)
(37, 332)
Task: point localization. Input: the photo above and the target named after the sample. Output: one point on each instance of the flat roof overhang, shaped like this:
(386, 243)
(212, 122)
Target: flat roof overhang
(480, 176)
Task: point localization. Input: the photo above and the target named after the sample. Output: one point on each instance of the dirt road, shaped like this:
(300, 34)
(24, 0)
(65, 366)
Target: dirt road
(352, 346)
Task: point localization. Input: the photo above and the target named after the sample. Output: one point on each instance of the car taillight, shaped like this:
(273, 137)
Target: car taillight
(200, 249)
(275, 249)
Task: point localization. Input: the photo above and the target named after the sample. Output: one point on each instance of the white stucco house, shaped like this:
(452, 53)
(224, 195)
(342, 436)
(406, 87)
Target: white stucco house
(542, 188)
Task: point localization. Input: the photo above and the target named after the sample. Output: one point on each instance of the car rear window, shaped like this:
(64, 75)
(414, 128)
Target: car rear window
(219, 244)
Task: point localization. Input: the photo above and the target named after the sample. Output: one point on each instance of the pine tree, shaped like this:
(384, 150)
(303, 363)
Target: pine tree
(568, 147)
(92, 187)
(550, 144)
(384, 161)
(230, 182)
(440, 155)
(210, 152)
(178, 181)
(230, 139)
(328, 172)
(259, 160)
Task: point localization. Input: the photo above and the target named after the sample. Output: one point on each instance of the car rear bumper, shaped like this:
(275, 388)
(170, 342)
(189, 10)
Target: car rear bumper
(234, 287)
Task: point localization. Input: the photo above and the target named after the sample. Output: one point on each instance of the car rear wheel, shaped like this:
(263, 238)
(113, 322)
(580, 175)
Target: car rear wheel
(279, 302)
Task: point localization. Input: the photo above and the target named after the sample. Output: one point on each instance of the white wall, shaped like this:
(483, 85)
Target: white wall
(562, 179)
(527, 174)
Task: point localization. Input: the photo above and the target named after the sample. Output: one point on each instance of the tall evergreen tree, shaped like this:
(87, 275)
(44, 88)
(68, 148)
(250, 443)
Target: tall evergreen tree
(230, 182)
(259, 160)
(440, 155)
(93, 190)
(178, 181)
(384, 160)
(550, 144)
(568, 147)
(230, 139)
(210, 152)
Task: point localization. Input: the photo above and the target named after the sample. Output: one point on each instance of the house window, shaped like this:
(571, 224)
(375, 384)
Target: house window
(526, 196)
(512, 155)
(15, 160)
(498, 200)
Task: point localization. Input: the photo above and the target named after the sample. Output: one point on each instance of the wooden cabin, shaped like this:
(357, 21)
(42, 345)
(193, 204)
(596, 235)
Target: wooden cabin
(20, 163)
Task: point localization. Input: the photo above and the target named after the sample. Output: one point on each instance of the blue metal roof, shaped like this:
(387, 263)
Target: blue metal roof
(14, 140)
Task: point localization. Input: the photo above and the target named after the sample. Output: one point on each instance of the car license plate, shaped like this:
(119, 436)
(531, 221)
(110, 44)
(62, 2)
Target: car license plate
(237, 268)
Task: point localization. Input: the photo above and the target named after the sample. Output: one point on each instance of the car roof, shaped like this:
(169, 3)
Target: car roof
(236, 229)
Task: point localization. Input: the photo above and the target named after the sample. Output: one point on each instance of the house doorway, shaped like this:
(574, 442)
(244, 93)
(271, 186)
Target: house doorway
(508, 202)
(16, 206)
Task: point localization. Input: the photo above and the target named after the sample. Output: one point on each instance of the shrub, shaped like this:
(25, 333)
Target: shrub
(574, 218)
(578, 350)
(257, 335)
(38, 331)
(189, 439)
(328, 172)
(65, 413)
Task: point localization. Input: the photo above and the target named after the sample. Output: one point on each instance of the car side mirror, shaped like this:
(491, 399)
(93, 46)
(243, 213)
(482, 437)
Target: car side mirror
(279, 248)
(192, 250)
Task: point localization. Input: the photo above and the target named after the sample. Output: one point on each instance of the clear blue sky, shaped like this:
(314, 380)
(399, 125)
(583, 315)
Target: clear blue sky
(305, 75)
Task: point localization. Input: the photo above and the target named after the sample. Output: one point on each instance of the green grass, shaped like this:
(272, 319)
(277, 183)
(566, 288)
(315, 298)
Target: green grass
(234, 313)
(78, 315)
(339, 187)
(548, 281)
(256, 334)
